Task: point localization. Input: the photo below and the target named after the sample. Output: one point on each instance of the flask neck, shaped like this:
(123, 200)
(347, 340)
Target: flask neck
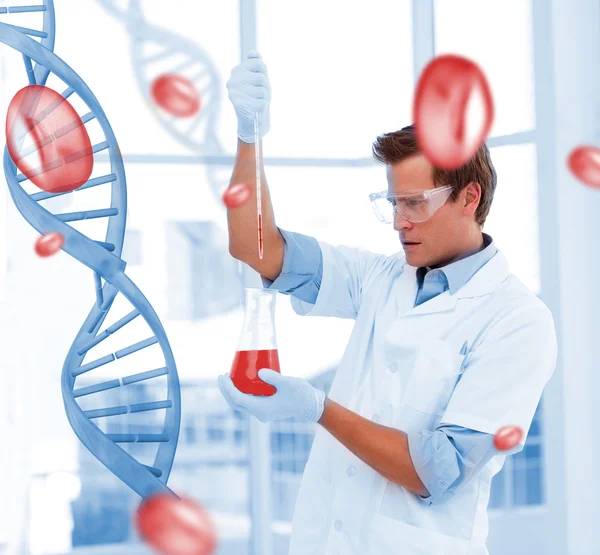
(260, 303)
(258, 331)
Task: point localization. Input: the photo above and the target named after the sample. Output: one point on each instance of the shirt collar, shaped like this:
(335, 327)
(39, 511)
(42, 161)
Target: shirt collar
(456, 274)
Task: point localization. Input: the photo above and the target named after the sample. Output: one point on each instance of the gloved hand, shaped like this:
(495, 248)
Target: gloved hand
(250, 91)
(294, 397)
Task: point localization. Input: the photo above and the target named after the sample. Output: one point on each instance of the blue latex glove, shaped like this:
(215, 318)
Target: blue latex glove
(294, 397)
(249, 90)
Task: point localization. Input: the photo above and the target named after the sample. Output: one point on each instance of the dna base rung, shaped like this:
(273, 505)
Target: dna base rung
(91, 183)
(29, 69)
(134, 378)
(87, 215)
(110, 331)
(125, 409)
(22, 9)
(127, 350)
(156, 471)
(111, 384)
(110, 247)
(159, 56)
(98, 319)
(136, 347)
(93, 365)
(110, 411)
(96, 388)
(31, 32)
(98, 288)
(139, 438)
(109, 299)
(154, 405)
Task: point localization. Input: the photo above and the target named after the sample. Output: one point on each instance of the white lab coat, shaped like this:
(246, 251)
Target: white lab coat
(402, 368)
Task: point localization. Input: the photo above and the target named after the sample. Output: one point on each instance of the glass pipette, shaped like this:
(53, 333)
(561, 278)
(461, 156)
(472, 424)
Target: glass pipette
(258, 193)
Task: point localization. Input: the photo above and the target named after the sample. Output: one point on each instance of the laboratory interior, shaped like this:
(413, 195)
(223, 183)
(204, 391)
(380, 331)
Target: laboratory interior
(341, 73)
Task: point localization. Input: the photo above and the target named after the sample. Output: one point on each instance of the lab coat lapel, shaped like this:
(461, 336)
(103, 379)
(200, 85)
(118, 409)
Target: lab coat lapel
(483, 282)
(407, 293)
(406, 290)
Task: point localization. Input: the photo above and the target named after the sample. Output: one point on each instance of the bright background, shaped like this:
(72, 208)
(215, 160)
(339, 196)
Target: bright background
(342, 73)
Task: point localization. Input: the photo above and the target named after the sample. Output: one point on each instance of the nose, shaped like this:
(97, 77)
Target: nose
(400, 223)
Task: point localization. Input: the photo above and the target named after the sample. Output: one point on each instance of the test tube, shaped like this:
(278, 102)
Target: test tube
(258, 192)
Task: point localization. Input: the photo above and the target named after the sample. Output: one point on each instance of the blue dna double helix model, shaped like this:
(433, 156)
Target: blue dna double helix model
(111, 284)
(154, 48)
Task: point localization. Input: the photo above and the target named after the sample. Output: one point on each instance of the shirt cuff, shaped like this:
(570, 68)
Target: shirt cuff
(302, 268)
(434, 459)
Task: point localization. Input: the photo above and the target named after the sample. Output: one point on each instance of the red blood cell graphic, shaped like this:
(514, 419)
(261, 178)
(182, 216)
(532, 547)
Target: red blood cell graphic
(176, 95)
(453, 110)
(49, 244)
(176, 526)
(507, 437)
(236, 195)
(47, 140)
(584, 163)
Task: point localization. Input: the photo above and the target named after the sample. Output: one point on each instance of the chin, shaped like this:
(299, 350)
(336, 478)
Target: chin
(412, 259)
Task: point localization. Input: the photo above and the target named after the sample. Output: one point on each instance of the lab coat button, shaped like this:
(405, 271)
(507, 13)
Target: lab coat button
(442, 483)
(338, 525)
(351, 471)
(393, 366)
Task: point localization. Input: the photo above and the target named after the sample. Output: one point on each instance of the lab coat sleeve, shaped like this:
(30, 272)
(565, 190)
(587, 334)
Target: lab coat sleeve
(302, 268)
(347, 272)
(448, 457)
(505, 374)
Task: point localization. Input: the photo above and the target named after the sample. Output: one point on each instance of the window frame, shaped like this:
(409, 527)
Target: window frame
(541, 136)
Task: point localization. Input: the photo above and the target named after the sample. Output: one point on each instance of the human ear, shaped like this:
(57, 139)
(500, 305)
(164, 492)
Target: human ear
(472, 196)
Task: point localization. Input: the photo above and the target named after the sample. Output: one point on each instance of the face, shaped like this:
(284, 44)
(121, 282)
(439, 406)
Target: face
(451, 233)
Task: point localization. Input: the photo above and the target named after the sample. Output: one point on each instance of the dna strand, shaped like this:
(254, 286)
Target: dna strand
(144, 471)
(156, 51)
(37, 21)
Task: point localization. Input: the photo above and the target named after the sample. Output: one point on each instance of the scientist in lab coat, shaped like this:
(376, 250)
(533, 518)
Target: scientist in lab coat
(447, 347)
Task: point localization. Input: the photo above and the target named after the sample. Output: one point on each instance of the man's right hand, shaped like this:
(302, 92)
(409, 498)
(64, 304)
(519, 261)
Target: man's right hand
(250, 91)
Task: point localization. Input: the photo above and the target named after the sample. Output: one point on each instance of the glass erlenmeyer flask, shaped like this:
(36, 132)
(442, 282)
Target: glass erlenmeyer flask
(257, 347)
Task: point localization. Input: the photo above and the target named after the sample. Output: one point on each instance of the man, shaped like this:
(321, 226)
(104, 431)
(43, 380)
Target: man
(448, 346)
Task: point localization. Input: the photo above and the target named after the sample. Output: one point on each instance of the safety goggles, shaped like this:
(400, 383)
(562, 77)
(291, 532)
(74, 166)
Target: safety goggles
(413, 207)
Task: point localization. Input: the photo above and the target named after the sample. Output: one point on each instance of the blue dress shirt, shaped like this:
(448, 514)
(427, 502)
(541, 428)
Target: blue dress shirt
(449, 455)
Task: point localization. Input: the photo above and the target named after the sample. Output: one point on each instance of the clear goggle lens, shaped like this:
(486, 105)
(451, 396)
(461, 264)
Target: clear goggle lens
(415, 208)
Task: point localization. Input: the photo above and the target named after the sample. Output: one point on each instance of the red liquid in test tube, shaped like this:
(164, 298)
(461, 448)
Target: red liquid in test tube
(260, 237)
(258, 188)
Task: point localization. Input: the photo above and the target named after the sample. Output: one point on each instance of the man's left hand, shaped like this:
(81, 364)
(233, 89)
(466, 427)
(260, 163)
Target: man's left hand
(294, 397)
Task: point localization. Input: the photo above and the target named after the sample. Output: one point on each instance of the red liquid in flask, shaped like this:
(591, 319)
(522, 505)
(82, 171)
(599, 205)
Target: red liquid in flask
(245, 367)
